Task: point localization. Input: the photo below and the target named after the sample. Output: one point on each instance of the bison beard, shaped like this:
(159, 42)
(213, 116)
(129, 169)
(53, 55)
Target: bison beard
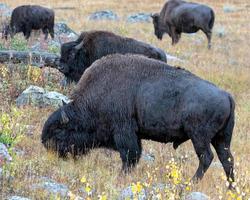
(77, 56)
(122, 99)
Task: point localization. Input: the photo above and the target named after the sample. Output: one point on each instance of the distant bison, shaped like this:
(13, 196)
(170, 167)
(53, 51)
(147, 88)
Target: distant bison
(122, 99)
(27, 18)
(77, 56)
(178, 17)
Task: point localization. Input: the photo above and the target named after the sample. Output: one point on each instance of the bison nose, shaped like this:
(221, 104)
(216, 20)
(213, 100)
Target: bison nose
(57, 62)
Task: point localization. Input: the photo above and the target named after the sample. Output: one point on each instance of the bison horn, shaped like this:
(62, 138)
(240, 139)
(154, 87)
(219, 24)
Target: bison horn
(155, 15)
(64, 116)
(79, 46)
(63, 102)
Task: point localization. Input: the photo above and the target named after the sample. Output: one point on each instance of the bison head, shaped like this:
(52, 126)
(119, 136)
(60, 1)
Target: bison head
(156, 22)
(63, 133)
(71, 63)
(6, 31)
(160, 28)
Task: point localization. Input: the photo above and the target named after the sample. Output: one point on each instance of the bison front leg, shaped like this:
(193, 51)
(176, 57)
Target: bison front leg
(205, 155)
(174, 35)
(45, 32)
(129, 147)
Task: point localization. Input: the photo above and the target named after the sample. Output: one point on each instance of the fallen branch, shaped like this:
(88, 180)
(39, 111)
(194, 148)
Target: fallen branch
(34, 58)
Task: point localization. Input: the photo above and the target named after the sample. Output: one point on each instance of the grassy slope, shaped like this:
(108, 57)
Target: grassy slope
(226, 64)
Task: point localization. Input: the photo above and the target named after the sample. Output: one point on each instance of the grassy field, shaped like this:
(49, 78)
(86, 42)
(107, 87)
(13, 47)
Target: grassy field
(226, 65)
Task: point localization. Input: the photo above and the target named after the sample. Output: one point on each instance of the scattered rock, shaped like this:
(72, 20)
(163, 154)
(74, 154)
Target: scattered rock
(52, 187)
(37, 96)
(63, 33)
(5, 11)
(4, 154)
(220, 31)
(197, 196)
(127, 194)
(148, 157)
(62, 28)
(103, 15)
(139, 17)
(17, 198)
(229, 8)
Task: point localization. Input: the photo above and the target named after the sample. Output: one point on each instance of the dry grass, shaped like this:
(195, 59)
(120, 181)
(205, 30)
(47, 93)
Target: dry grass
(226, 64)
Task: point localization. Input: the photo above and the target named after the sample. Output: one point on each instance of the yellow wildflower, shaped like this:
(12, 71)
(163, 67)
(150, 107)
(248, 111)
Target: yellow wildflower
(83, 179)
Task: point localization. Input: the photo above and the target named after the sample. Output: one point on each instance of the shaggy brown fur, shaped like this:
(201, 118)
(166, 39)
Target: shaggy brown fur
(30, 17)
(78, 55)
(179, 16)
(122, 99)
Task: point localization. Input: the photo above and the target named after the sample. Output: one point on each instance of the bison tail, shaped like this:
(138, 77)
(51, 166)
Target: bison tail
(211, 22)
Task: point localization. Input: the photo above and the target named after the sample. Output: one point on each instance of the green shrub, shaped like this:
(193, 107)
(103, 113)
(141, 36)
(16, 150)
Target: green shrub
(19, 44)
(10, 127)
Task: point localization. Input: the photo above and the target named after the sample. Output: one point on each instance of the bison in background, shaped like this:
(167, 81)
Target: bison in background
(122, 99)
(77, 56)
(30, 17)
(178, 17)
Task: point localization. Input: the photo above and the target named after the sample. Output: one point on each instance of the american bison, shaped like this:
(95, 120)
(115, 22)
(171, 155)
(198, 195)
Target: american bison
(77, 56)
(30, 17)
(179, 16)
(122, 99)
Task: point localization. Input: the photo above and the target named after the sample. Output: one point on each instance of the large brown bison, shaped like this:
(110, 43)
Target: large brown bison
(122, 99)
(77, 56)
(30, 17)
(179, 16)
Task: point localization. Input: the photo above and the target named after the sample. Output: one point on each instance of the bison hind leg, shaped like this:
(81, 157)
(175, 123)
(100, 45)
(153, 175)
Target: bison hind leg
(221, 143)
(226, 158)
(129, 147)
(208, 34)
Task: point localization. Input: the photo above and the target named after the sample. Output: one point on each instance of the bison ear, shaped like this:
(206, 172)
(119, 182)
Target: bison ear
(64, 117)
(79, 46)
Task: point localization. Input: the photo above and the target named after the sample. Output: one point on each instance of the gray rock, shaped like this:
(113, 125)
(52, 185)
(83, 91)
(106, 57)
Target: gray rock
(54, 43)
(1, 172)
(52, 187)
(63, 33)
(62, 28)
(103, 15)
(5, 11)
(37, 96)
(17, 198)
(220, 31)
(197, 196)
(127, 194)
(148, 157)
(139, 17)
(229, 8)
(4, 154)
